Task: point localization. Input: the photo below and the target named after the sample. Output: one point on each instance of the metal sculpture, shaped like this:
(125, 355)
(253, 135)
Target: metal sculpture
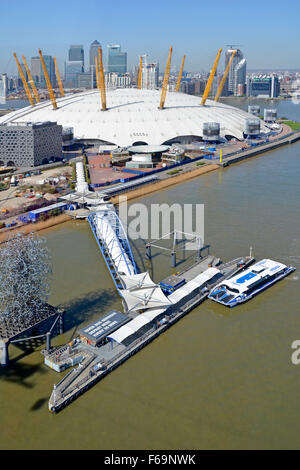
(25, 270)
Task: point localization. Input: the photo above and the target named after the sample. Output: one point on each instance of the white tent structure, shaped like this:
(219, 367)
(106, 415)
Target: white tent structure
(133, 116)
(145, 298)
(135, 325)
(156, 302)
(137, 281)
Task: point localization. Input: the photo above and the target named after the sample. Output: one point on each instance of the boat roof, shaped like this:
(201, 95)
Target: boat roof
(243, 280)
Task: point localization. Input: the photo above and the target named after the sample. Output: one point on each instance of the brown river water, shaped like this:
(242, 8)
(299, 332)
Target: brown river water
(219, 378)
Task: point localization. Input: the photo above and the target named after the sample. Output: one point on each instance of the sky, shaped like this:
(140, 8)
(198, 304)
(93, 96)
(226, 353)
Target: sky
(267, 31)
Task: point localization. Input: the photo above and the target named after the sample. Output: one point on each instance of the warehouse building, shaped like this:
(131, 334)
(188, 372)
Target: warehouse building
(97, 331)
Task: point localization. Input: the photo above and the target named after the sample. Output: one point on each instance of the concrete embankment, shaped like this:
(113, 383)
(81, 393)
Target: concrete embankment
(290, 139)
(158, 186)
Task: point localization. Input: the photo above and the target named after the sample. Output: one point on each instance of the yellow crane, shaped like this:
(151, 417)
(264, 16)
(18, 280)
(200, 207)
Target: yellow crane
(219, 91)
(140, 74)
(48, 82)
(61, 88)
(97, 72)
(101, 80)
(33, 87)
(166, 80)
(25, 84)
(180, 74)
(210, 80)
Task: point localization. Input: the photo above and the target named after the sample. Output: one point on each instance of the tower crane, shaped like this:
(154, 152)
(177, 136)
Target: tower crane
(33, 87)
(166, 80)
(61, 89)
(48, 82)
(219, 91)
(180, 74)
(25, 84)
(101, 80)
(210, 80)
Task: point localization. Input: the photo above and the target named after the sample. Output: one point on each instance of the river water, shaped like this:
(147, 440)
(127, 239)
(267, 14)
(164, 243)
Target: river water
(219, 378)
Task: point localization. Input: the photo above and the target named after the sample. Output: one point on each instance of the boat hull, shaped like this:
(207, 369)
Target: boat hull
(234, 302)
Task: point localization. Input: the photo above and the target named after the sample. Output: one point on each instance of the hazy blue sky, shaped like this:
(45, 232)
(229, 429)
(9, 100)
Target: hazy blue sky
(268, 31)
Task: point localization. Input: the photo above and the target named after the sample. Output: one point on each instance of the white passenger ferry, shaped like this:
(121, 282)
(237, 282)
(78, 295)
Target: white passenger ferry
(250, 282)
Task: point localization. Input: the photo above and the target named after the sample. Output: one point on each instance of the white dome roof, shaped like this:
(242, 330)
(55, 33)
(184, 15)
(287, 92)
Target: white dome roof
(133, 116)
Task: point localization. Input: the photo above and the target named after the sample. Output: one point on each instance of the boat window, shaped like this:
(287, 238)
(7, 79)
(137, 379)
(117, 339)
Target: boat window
(232, 289)
(255, 285)
(258, 270)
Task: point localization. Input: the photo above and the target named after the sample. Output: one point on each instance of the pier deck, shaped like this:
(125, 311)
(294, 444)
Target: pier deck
(109, 356)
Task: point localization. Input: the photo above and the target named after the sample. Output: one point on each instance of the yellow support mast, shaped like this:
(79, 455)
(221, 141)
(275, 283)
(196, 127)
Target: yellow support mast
(61, 88)
(33, 87)
(140, 74)
(180, 74)
(219, 91)
(97, 72)
(25, 84)
(102, 81)
(210, 80)
(166, 80)
(48, 82)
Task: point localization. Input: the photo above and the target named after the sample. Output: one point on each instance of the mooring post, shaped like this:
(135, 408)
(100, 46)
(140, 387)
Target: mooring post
(4, 359)
(48, 341)
(148, 251)
(199, 247)
(61, 323)
(173, 259)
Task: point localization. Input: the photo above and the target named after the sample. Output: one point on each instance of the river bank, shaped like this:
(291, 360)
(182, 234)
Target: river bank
(158, 186)
(59, 219)
(188, 173)
(52, 221)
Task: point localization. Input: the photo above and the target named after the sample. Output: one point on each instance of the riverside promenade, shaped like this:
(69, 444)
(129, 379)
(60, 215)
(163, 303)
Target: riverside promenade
(229, 159)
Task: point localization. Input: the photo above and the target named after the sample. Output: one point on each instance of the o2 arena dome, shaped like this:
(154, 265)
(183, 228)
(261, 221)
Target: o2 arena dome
(133, 117)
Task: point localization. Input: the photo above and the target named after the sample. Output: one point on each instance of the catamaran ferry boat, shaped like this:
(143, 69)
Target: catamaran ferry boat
(250, 282)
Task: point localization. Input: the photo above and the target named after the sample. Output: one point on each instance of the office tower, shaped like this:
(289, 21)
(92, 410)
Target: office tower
(76, 54)
(239, 75)
(93, 53)
(229, 87)
(85, 79)
(3, 88)
(35, 69)
(263, 86)
(117, 80)
(150, 73)
(116, 60)
(49, 63)
(72, 71)
(74, 66)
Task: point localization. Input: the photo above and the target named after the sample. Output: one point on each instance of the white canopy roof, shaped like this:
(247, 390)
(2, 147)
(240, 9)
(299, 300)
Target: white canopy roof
(134, 325)
(137, 281)
(141, 299)
(152, 313)
(190, 286)
(133, 116)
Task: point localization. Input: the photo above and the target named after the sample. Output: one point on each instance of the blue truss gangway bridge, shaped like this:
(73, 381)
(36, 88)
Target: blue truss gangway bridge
(113, 243)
